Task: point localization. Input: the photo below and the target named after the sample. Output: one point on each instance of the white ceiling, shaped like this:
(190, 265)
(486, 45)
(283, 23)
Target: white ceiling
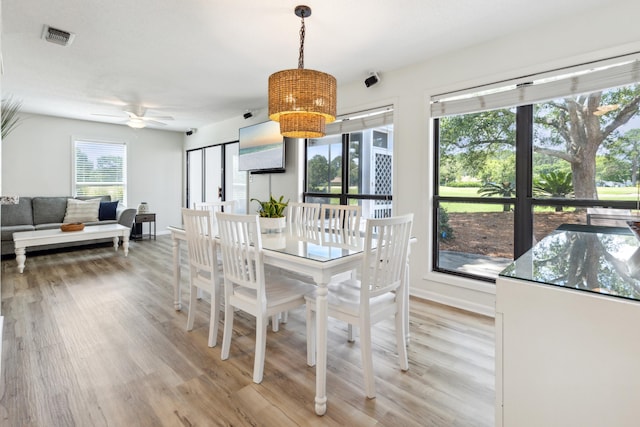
(203, 61)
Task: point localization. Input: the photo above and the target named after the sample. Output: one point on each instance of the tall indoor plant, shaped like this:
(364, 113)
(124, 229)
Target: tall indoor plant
(10, 118)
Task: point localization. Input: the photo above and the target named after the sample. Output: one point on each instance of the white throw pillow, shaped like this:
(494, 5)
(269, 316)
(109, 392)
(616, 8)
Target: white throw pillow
(82, 210)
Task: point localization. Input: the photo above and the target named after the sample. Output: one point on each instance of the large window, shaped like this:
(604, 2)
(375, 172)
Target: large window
(515, 162)
(365, 140)
(100, 168)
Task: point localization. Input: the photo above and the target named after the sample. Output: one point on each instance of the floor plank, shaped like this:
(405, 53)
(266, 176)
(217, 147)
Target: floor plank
(91, 339)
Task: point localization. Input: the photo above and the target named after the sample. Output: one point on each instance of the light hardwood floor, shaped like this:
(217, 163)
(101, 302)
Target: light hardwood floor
(91, 339)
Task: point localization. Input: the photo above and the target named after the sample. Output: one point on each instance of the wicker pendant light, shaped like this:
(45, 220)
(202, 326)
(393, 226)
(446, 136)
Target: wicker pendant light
(303, 101)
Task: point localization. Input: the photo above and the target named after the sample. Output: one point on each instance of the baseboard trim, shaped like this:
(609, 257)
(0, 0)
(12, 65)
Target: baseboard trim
(462, 304)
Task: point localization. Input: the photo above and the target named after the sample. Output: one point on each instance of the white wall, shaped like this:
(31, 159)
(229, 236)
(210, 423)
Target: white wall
(37, 161)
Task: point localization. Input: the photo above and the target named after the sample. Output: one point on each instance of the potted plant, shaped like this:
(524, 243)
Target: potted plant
(10, 118)
(272, 214)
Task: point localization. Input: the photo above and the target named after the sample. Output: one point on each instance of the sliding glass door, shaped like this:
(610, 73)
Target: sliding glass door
(213, 175)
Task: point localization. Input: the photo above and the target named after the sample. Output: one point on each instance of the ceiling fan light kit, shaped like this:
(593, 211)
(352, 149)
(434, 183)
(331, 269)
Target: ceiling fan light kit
(302, 100)
(136, 123)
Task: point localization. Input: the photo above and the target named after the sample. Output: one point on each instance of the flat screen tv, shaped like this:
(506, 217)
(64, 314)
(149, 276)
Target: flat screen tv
(262, 148)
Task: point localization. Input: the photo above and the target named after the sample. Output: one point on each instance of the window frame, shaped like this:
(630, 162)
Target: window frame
(524, 202)
(74, 169)
(345, 126)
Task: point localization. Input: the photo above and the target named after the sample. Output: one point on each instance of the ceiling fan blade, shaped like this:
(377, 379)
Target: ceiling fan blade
(155, 122)
(136, 114)
(109, 115)
(134, 110)
(157, 117)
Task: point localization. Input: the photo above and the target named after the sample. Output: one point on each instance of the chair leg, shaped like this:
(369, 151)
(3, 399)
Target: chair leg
(192, 307)
(367, 358)
(406, 303)
(350, 333)
(311, 335)
(401, 336)
(214, 318)
(276, 319)
(261, 347)
(228, 330)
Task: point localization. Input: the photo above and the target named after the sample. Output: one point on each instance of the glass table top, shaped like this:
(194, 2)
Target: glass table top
(309, 243)
(603, 260)
(314, 245)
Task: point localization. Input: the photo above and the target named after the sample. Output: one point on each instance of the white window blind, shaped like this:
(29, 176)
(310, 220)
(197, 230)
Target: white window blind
(537, 89)
(100, 169)
(361, 120)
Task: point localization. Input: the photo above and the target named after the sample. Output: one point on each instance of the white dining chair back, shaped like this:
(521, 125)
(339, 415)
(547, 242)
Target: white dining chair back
(303, 220)
(226, 206)
(213, 207)
(378, 294)
(204, 270)
(246, 285)
(341, 219)
(307, 214)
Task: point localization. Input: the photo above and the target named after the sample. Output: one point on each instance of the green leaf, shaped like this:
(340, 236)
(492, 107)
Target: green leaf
(272, 208)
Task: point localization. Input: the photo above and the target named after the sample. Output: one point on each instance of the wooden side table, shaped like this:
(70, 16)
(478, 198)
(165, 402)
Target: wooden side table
(137, 231)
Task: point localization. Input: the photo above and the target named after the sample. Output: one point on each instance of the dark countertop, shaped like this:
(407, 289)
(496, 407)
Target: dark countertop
(602, 260)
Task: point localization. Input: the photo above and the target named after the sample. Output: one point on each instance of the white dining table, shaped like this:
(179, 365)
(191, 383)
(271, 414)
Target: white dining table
(317, 254)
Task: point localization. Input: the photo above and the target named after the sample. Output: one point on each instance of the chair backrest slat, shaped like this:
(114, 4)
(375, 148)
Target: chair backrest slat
(227, 206)
(303, 220)
(307, 214)
(241, 247)
(200, 242)
(213, 207)
(385, 258)
(341, 218)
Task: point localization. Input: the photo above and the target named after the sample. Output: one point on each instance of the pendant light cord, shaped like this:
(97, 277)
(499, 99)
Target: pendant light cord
(302, 31)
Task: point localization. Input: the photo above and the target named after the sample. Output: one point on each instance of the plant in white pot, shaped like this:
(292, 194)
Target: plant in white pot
(272, 214)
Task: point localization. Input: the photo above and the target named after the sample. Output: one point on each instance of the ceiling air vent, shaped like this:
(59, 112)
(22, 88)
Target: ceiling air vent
(57, 36)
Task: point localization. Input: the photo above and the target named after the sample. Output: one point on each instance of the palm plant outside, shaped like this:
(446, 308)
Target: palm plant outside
(554, 184)
(503, 189)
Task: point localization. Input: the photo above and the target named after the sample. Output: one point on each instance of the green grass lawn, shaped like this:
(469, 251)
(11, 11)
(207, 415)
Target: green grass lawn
(604, 193)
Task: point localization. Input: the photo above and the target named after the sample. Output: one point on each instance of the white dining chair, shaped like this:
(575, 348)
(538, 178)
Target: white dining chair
(343, 219)
(204, 269)
(228, 206)
(218, 206)
(374, 297)
(246, 286)
(213, 207)
(341, 226)
(303, 215)
(303, 220)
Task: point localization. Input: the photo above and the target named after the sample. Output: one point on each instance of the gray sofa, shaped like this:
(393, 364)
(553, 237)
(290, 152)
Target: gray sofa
(41, 213)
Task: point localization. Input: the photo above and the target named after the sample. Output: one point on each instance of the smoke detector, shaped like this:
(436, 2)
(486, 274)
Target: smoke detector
(57, 36)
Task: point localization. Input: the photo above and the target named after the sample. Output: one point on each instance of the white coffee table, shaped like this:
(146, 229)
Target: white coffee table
(26, 239)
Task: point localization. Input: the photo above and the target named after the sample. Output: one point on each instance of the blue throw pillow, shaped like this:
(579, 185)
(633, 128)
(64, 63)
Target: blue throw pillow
(107, 210)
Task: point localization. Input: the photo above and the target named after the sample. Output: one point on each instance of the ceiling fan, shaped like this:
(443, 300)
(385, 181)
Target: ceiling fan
(138, 118)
